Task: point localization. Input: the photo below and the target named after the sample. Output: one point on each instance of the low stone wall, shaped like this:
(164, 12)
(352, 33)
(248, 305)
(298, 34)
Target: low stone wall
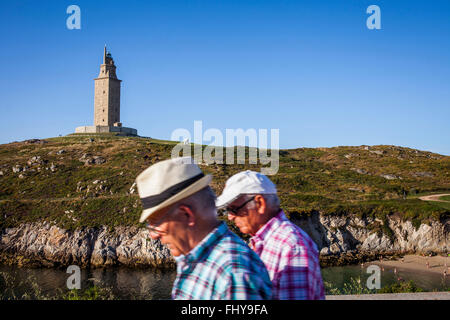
(394, 296)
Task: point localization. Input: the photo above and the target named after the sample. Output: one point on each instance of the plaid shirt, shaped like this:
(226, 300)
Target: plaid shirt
(291, 258)
(221, 267)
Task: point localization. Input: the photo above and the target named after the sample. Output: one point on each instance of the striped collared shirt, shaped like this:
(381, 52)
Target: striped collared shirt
(221, 267)
(291, 258)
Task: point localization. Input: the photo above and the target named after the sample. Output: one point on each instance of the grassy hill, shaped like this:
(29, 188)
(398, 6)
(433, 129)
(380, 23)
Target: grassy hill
(78, 181)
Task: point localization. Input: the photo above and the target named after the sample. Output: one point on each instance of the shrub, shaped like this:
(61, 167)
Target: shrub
(401, 287)
(354, 286)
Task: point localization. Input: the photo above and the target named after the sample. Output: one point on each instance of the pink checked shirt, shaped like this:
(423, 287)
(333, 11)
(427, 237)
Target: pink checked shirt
(291, 258)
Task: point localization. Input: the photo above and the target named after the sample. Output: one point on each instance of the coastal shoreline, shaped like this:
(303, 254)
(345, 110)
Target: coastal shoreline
(341, 240)
(412, 261)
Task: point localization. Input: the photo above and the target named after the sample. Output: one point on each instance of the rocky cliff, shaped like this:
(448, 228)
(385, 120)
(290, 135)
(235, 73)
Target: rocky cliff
(336, 236)
(49, 245)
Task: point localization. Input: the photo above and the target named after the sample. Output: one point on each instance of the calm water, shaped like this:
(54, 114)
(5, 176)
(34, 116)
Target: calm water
(151, 284)
(338, 276)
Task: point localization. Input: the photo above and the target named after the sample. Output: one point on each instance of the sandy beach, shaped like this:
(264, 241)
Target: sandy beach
(436, 264)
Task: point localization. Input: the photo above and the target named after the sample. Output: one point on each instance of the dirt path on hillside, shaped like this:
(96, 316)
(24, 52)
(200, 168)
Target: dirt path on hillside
(434, 197)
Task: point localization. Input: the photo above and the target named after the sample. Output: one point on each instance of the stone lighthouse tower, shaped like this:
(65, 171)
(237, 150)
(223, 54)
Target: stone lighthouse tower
(107, 101)
(107, 94)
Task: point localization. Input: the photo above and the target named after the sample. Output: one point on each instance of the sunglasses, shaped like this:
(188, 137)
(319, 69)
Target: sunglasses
(235, 211)
(153, 227)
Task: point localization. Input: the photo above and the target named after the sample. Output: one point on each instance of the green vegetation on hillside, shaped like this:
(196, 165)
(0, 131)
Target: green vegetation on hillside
(80, 180)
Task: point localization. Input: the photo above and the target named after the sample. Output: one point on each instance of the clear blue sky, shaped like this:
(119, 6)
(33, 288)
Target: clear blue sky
(311, 69)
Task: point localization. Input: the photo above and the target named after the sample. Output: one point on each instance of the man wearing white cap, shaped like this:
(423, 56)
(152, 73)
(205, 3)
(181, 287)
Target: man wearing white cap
(212, 262)
(291, 257)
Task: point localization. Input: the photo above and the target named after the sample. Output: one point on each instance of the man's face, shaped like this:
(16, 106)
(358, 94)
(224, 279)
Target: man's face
(169, 226)
(245, 215)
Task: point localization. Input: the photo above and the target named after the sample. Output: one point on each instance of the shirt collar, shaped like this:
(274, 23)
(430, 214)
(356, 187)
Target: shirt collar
(269, 227)
(200, 249)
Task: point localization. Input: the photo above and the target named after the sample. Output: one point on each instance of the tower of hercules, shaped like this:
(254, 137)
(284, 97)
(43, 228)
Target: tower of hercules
(107, 101)
(107, 94)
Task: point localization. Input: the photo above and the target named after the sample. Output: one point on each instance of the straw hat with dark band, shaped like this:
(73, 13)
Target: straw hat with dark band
(167, 182)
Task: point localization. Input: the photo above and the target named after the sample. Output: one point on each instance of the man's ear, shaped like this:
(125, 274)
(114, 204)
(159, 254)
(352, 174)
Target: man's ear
(188, 215)
(260, 204)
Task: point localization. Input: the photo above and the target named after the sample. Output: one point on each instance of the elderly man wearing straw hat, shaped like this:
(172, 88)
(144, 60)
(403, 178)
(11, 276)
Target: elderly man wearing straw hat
(291, 257)
(212, 262)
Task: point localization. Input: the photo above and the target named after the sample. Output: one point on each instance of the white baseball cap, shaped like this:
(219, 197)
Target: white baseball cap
(246, 182)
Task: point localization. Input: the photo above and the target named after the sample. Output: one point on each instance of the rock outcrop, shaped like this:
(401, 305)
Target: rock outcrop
(49, 245)
(335, 236)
